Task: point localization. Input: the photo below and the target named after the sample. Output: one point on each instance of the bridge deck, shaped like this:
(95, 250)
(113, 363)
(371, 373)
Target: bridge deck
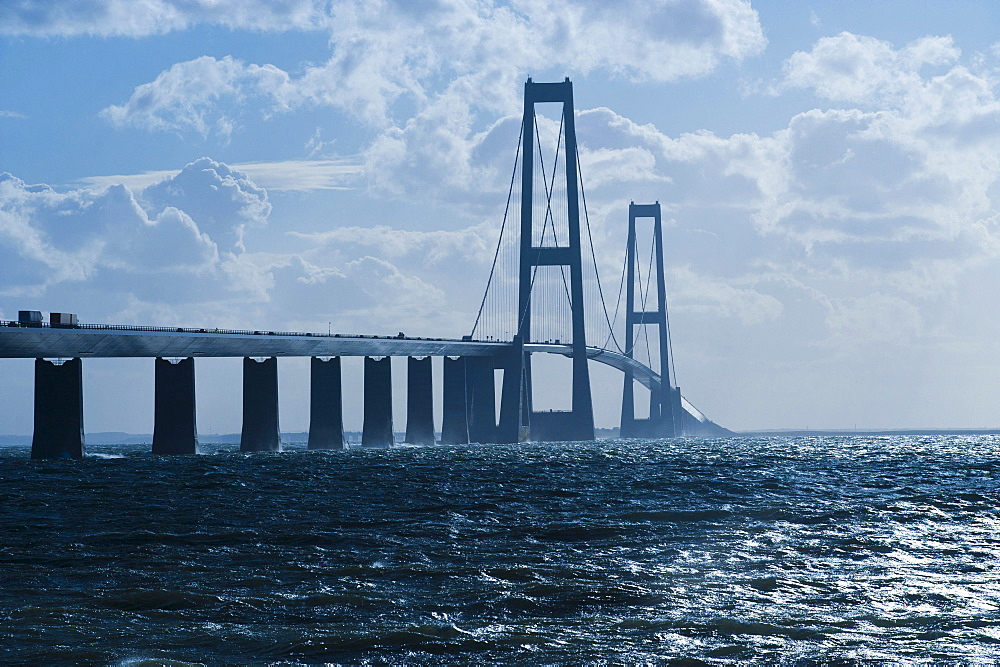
(18, 341)
(117, 341)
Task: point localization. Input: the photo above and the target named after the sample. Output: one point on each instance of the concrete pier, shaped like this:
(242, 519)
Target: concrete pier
(419, 401)
(482, 394)
(175, 428)
(511, 394)
(326, 407)
(260, 406)
(377, 428)
(58, 430)
(455, 416)
(627, 427)
(677, 410)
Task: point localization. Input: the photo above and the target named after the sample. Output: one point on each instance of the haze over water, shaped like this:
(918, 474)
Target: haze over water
(632, 551)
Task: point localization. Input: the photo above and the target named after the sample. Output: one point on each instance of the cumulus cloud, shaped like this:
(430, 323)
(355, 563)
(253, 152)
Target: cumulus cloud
(186, 97)
(280, 176)
(918, 167)
(174, 253)
(894, 186)
(365, 294)
(140, 18)
(431, 279)
(223, 200)
(50, 237)
(863, 69)
(176, 242)
(851, 224)
(384, 51)
(890, 196)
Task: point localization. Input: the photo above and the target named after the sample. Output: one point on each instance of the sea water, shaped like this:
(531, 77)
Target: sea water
(728, 550)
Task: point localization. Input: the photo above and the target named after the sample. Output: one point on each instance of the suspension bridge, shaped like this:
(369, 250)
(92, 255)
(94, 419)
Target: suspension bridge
(544, 295)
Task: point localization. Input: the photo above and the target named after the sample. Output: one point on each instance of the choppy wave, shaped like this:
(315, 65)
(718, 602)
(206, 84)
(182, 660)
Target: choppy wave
(742, 549)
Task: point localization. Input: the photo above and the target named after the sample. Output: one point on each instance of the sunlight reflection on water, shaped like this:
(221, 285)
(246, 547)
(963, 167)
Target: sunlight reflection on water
(741, 549)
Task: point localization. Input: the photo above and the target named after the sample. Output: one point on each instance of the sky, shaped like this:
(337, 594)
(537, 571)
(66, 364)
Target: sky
(829, 173)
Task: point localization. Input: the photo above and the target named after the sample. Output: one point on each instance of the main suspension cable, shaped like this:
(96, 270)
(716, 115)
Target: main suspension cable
(670, 344)
(593, 255)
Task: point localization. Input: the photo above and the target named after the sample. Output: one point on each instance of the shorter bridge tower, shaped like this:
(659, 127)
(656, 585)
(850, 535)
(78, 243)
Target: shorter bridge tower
(665, 410)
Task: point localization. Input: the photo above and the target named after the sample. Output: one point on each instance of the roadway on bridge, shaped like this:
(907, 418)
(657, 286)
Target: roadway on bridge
(112, 341)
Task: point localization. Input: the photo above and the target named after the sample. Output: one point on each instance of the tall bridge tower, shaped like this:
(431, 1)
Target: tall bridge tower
(577, 423)
(664, 403)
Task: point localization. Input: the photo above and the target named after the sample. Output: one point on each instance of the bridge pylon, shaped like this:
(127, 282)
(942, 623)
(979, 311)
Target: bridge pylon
(665, 402)
(578, 423)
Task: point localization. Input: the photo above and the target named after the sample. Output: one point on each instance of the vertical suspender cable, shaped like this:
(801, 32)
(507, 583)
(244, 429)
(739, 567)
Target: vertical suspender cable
(502, 226)
(593, 255)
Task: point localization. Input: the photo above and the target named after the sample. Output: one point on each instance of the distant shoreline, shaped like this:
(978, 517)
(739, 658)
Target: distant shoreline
(118, 438)
(889, 431)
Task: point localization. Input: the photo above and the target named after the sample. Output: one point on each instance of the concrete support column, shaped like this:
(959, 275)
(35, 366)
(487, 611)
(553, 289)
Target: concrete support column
(627, 429)
(511, 393)
(58, 410)
(419, 401)
(455, 419)
(174, 414)
(260, 406)
(655, 404)
(377, 430)
(677, 411)
(326, 407)
(481, 389)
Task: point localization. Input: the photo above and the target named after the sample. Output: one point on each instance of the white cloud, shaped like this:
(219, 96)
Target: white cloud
(186, 96)
(854, 225)
(283, 176)
(304, 175)
(705, 294)
(475, 243)
(365, 294)
(919, 171)
(140, 18)
(99, 249)
(861, 69)
(224, 201)
(173, 254)
(896, 199)
(438, 155)
(53, 237)
(384, 51)
(134, 182)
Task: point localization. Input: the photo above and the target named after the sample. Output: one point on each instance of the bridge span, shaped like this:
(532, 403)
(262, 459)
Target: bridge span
(18, 341)
(536, 295)
(468, 394)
